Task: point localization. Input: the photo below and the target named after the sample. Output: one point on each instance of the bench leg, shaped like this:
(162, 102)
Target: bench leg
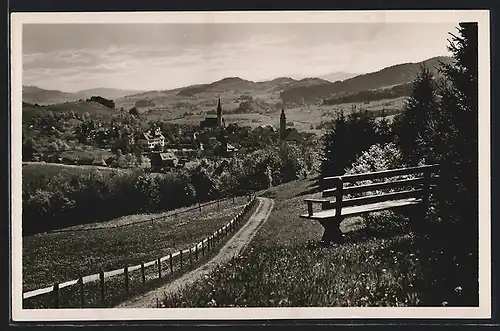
(419, 220)
(332, 233)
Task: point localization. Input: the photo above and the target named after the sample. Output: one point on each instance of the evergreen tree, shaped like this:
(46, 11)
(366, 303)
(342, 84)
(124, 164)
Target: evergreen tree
(456, 146)
(384, 131)
(333, 139)
(415, 127)
(345, 139)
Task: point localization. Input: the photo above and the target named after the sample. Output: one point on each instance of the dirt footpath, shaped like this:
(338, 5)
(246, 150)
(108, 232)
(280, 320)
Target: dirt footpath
(232, 248)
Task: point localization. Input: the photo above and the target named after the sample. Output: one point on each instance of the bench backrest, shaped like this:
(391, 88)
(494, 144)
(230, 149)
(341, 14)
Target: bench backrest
(379, 186)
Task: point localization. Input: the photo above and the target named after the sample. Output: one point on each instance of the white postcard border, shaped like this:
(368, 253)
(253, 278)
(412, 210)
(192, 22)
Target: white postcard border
(421, 16)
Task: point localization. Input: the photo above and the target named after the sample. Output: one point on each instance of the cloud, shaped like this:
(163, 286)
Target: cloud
(251, 52)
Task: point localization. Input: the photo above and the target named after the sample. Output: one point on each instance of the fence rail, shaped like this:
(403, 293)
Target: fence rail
(205, 245)
(153, 219)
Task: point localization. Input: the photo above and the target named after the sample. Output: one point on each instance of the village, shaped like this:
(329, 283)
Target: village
(212, 138)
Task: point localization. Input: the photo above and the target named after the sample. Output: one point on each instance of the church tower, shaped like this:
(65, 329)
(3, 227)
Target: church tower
(282, 125)
(219, 114)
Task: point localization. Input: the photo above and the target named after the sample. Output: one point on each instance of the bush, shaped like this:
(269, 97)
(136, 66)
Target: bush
(62, 199)
(377, 158)
(346, 138)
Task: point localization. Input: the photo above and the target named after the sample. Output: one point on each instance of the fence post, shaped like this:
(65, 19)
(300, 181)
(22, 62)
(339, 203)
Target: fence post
(199, 206)
(159, 268)
(125, 272)
(101, 278)
(82, 293)
(180, 256)
(196, 252)
(203, 248)
(233, 199)
(171, 263)
(190, 257)
(56, 295)
(143, 274)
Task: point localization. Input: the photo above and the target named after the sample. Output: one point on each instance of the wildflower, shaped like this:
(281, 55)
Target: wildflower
(458, 290)
(384, 270)
(444, 303)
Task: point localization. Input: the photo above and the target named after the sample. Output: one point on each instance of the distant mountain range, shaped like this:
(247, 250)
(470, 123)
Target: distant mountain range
(339, 75)
(241, 95)
(36, 95)
(388, 77)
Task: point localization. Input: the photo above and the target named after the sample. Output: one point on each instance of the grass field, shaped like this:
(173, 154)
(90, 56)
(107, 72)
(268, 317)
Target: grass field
(94, 109)
(60, 256)
(380, 264)
(33, 170)
(305, 118)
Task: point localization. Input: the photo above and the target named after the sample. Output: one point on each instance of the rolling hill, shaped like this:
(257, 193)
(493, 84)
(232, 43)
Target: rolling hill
(94, 109)
(232, 90)
(387, 77)
(339, 75)
(242, 99)
(36, 95)
(108, 93)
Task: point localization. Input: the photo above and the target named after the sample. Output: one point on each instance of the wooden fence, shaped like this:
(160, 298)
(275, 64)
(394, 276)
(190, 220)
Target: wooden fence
(172, 262)
(198, 207)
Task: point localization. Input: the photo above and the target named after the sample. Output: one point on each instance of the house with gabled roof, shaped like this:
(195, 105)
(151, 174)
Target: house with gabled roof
(152, 138)
(164, 160)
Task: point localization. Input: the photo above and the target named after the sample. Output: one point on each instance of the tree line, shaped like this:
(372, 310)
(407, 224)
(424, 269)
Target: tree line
(58, 200)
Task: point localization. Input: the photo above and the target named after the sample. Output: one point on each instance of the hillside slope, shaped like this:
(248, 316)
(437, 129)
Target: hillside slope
(94, 109)
(387, 77)
(36, 95)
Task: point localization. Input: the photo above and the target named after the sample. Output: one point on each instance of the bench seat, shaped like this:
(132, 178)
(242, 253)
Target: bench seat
(357, 210)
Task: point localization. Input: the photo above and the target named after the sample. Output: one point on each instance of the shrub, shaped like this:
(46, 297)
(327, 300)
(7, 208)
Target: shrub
(377, 158)
(345, 138)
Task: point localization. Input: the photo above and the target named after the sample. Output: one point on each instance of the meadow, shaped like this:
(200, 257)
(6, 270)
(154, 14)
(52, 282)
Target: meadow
(304, 118)
(381, 263)
(86, 249)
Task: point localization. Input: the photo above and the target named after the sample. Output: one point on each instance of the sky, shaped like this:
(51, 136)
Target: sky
(73, 57)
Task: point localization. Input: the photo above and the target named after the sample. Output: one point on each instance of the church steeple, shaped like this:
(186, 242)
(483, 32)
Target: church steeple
(219, 114)
(282, 124)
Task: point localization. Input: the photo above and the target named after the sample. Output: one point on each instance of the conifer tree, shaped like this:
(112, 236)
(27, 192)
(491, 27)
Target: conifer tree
(457, 143)
(416, 126)
(333, 140)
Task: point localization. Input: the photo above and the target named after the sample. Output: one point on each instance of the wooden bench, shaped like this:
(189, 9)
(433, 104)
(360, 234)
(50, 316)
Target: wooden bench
(407, 187)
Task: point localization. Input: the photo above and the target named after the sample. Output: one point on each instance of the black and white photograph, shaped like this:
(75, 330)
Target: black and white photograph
(276, 165)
